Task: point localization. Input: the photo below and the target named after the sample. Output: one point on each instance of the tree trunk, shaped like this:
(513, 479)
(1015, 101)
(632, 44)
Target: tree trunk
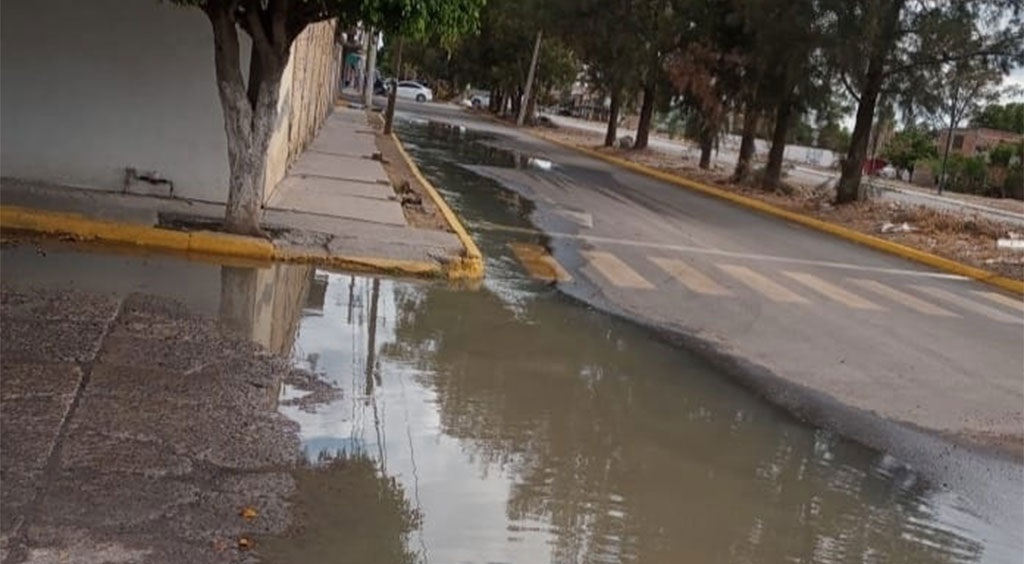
(529, 82)
(389, 115)
(517, 102)
(773, 170)
(707, 143)
(742, 172)
(371, 71)
(613, 121)
(848, 187)
(249, 117)
(492, 100)
(531, 104)
(945, 157)
(643, 129)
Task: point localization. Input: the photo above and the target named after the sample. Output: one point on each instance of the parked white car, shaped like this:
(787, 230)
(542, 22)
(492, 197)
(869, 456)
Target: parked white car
(414, 91)
(478, 99)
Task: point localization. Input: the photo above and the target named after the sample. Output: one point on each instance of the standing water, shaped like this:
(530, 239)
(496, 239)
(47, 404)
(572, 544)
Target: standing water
(511, 423)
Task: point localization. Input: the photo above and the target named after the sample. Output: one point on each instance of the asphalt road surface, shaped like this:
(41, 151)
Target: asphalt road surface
(797, 312)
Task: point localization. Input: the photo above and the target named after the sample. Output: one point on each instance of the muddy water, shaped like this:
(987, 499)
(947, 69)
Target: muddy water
(513, 424)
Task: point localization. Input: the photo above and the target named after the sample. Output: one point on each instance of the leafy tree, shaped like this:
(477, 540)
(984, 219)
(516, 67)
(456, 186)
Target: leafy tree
(963, 86)
(654, 27)
(1004, 117)
(707, 70)
(598, 32)
(887, 46)
(250, 107)
(834, 137)
(908, 147)
(964, 174)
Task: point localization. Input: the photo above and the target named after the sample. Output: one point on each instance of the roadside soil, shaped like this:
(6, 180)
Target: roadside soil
(417, 206)
(964, 237)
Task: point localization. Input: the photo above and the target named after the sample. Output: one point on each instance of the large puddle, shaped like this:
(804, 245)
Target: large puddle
(513, 424)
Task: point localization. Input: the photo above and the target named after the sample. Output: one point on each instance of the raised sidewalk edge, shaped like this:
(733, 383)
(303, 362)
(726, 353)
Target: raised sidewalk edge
(910, 253)
(471, 264)
(203, 242)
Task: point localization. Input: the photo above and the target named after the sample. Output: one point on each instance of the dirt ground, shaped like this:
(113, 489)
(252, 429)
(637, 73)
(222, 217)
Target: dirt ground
(417, 206)
(963, 237)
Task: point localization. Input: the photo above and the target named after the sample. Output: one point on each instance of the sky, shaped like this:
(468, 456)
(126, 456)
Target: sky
(1016, 78)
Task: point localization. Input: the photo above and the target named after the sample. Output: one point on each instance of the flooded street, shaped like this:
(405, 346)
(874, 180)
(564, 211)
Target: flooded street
(512, 423)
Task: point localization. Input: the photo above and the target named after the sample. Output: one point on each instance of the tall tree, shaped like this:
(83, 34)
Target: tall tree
(444, 20)
(250, 106)
(879, 45)
(599, 32)
(1004, 117)
(654, 25)
(963, 87)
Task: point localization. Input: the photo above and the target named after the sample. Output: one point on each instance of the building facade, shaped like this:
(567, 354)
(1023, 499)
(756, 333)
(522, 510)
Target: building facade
(121, 96)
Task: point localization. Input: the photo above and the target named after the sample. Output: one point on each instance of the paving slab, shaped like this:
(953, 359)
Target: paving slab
(336, 166)
(335, 204)
(332, 186)
(343, 141)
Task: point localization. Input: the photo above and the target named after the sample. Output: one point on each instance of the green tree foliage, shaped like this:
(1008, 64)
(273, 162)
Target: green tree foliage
(834, 137)
(889, 47)
(1004, 117)
(908, 147)
(964, 174)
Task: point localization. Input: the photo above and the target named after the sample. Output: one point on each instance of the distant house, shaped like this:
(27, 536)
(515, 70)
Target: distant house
(121, 95)
(975, 141)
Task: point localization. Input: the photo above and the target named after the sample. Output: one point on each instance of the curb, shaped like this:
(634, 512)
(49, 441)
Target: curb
(81, 227)
(201, 242)
(471, 264)
(909, 253)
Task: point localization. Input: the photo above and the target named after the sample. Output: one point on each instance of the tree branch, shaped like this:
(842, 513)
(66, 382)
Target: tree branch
(849, 88)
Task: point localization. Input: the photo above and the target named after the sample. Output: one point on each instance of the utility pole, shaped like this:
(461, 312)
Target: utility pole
(371, 69)
(529, 81)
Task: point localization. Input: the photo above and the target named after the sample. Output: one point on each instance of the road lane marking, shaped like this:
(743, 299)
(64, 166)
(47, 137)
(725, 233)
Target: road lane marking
(690, 277)
(904, 298)
(833, 292)
(762, 285)
(616, 271)
(969, 305)
(716, 252)
(998, 298)
(539, 263)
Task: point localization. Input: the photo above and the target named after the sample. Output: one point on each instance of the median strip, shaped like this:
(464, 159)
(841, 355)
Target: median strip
(910, 253)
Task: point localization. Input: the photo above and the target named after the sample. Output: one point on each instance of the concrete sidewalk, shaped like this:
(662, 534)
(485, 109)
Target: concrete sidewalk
(337, 176)
(335, 205)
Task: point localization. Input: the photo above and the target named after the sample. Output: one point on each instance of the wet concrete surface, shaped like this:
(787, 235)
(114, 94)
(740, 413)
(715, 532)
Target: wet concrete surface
(146, 400)
(507, 424)
(133, 430)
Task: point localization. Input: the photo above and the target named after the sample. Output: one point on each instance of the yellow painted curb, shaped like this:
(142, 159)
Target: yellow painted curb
(201, 242)
(362, 264)
(471, 264)
(84, 228)
(878, 243)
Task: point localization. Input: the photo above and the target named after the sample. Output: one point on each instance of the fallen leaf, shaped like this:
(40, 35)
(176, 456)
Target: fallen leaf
(249, 513)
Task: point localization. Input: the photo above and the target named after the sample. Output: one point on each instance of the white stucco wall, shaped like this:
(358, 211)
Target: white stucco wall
(88, 88)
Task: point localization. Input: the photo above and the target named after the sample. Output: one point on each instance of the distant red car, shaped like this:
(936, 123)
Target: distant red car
(872, 166)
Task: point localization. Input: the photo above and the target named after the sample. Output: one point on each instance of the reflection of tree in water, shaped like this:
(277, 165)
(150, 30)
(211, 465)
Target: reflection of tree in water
(631, 453)
(351, 513)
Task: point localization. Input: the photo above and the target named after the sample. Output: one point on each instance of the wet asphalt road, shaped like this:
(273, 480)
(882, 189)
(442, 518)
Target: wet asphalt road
(505, 424)
(872, 331)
